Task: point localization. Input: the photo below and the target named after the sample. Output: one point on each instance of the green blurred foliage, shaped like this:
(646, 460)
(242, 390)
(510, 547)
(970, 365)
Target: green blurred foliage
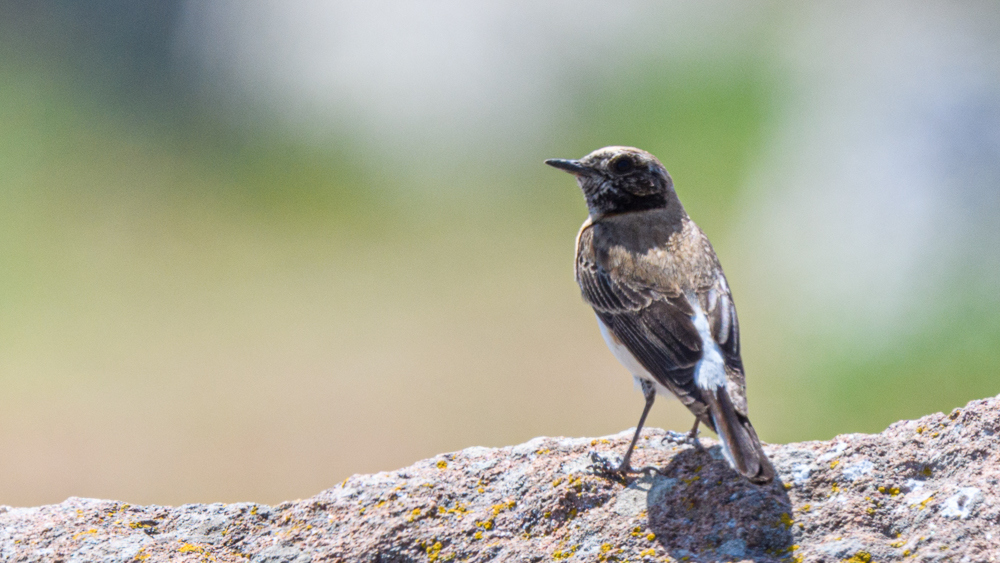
(237, 291)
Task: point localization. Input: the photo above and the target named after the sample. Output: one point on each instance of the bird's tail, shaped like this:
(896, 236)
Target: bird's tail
(739, 440)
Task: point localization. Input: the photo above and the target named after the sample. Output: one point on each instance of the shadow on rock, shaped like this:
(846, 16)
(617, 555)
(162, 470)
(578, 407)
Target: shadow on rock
(700, 508)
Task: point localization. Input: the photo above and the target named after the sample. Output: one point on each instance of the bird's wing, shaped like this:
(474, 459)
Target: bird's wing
(717, 302)
(654, 326)
(658, 323)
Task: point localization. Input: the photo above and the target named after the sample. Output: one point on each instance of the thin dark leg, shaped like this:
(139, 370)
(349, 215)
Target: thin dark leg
(693, 435)
(650, 393)
(694, 430)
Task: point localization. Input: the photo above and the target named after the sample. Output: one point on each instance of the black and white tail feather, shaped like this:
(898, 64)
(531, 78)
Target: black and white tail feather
(740, 445)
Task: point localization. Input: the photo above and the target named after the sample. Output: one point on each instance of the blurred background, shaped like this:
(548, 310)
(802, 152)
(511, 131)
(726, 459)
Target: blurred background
(249, 248)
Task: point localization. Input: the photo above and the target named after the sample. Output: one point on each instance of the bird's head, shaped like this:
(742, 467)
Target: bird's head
(619, 180)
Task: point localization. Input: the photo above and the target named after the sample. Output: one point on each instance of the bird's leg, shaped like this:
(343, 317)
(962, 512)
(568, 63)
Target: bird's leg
(693, 434)
(649, 392)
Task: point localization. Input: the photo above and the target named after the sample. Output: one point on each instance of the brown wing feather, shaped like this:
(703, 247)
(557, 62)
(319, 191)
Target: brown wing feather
(656, 329)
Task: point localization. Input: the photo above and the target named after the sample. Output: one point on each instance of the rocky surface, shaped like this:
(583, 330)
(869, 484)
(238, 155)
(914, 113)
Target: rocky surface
(922, 490)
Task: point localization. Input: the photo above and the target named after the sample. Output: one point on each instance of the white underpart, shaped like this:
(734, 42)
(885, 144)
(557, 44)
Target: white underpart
(710, 372)
(628, 360)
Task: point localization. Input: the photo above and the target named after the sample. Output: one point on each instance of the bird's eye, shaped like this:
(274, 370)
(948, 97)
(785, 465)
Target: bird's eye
(623, 164)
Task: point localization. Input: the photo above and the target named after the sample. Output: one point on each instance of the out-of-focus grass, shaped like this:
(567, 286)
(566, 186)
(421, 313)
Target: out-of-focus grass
(955, 359)
(196, 312)
(192, 316)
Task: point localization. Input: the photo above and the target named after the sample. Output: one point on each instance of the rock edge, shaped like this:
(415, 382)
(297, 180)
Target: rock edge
(923, 490)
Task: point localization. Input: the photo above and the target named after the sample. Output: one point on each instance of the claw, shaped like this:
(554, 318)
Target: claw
(602, 465)
(682, 439)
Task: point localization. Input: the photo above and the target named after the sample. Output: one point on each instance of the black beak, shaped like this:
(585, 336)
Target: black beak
(572, 166)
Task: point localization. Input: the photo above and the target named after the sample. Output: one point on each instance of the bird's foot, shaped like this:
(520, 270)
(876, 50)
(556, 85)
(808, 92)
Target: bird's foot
(618, 470)
(683, 439)
(601, 465)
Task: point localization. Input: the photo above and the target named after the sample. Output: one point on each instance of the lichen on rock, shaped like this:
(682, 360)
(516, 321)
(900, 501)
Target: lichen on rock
(921, 490)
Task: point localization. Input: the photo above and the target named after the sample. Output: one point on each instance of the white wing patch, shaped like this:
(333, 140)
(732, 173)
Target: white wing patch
(710, 373)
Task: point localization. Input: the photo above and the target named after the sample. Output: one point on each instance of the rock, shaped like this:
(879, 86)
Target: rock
(922, 490)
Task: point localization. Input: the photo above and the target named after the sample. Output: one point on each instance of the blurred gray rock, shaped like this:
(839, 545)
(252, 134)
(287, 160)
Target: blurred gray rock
(923, 490)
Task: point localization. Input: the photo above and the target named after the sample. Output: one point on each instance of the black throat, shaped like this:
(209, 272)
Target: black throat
(613, 202)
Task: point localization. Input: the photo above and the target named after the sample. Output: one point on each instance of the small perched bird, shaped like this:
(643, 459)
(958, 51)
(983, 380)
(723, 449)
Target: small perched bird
(662, 301)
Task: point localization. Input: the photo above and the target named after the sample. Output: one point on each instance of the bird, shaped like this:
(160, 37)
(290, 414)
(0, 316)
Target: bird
(662, 301)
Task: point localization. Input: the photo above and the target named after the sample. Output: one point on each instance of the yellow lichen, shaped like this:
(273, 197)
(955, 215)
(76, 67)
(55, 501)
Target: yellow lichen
(84, 533)
(480, 490)
(786, 520)
(189, 547)
(478, 535)
(547, 514)
(690, 480)
(442, 464)
(859, 557)
(497, 508)
(920, 429)
(648, 553)
(926, 471)
(434, 551)
(805, 507)
(557, 481)
(141, 555)
(834, 463)
(651, 536)
(458, 509)
(636, 531)
(923, 503)
(788, 486)
(565, 553)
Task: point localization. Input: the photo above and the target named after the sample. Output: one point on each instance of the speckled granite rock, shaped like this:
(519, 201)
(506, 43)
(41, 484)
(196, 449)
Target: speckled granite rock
(922, 490)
